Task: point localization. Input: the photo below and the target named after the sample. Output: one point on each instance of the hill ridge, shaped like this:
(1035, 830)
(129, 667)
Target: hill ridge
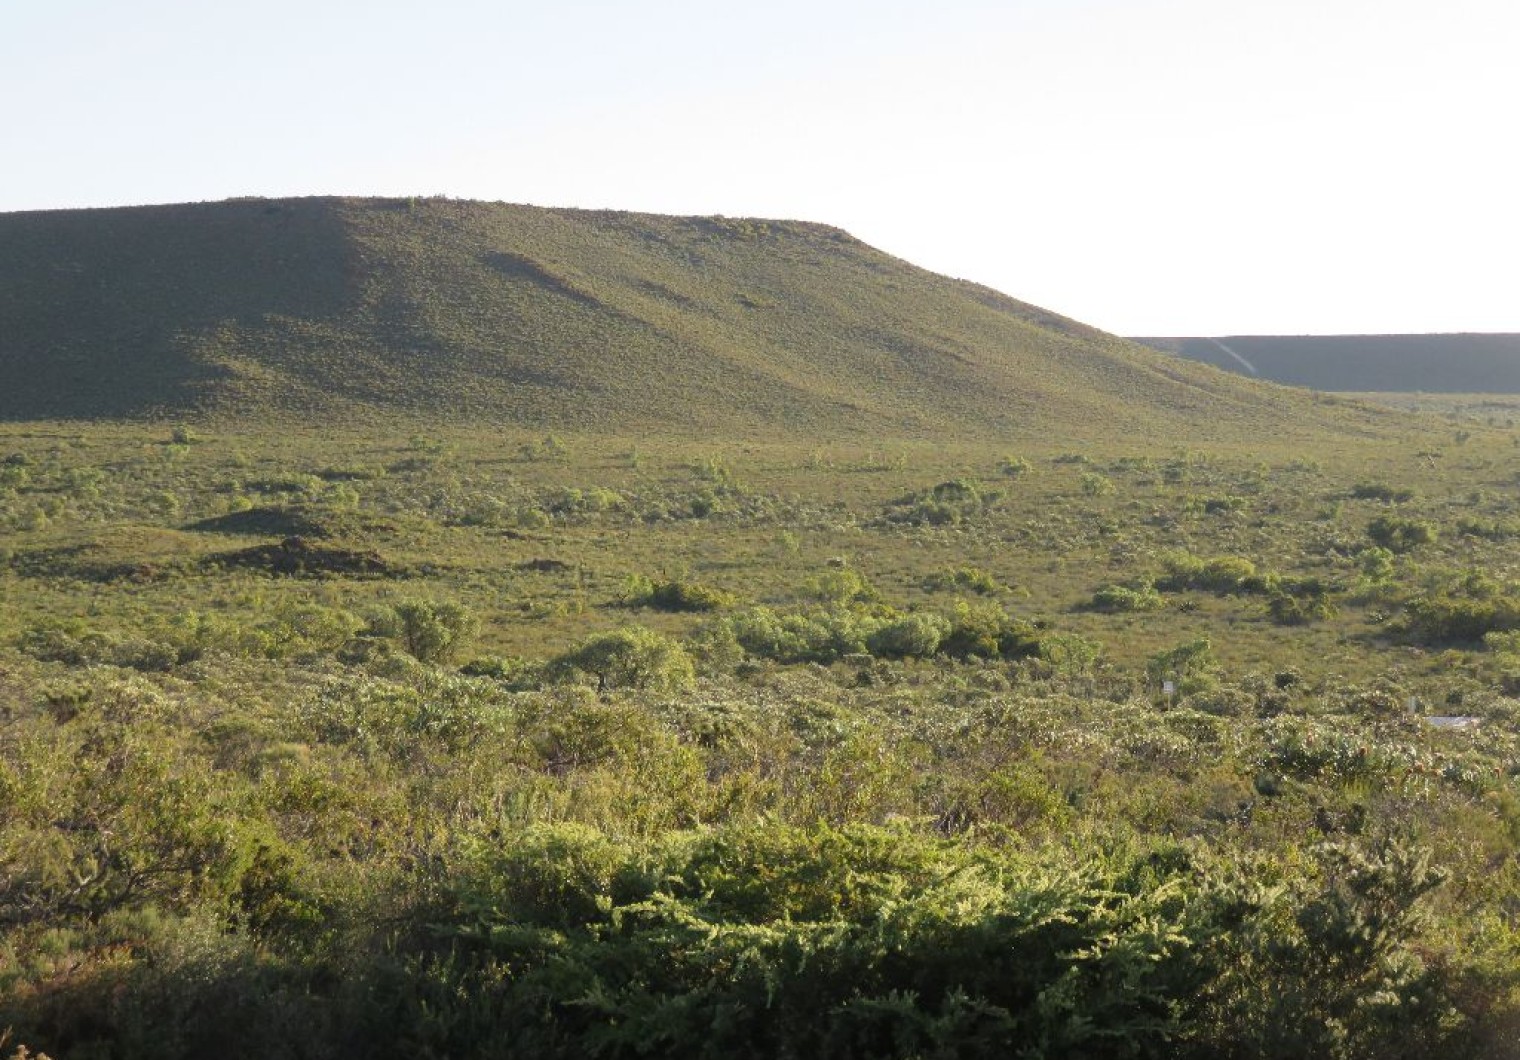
(1453, 362)
(335, 309)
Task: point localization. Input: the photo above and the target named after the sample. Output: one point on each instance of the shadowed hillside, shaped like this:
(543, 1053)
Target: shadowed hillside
(1442, 364)
(285, 310)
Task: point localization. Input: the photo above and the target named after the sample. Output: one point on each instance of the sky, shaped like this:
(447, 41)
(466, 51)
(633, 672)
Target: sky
(1151, 167)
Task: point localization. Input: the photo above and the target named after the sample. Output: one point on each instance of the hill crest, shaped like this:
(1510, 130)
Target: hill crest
(1453, 363)
(369, 310)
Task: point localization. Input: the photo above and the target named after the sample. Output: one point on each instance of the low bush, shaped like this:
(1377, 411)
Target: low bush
(916, 636)
(1122, 598)
(632, 657)
(428, 630)
(964, 579)
(946, 504)
(1220, 574)
(676, 595)
(1381, 491)
(1400, 535)
(1443, 617)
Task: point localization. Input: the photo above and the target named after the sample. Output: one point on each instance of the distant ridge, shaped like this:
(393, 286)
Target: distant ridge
(329, 310)
(1439, 364)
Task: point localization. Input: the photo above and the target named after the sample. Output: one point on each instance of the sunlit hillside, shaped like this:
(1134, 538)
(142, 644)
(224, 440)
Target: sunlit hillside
(370, 310)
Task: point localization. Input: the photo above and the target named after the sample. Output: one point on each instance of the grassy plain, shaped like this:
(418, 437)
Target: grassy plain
(540, 534)
(247, 803)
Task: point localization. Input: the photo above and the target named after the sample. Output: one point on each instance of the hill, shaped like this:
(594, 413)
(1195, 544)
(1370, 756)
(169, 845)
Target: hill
(373, 310)
(1442, 364)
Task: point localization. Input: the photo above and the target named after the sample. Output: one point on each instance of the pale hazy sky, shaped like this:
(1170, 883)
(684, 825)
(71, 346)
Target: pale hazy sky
(1148, 166)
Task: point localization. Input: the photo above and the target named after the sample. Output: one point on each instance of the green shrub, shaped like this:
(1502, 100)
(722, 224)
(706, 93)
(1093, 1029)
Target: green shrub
(677, 595)
(1442, 617)
(1095, 485)
(840, 586)
(821, 636)
(1489, 529)
(631, 657)
(1400, 535)
(986, 631)
(1068, 653)
(1330, 965)
(1015, 466)
(514, 672)
(76, 644)
(964, 579)
(1122, 598)
(946, 504)
(1375, 564)
(1381, 491)
(1296, 603)
(1221, 574)
(1186, 662)
(776, 941)
(14, 476)
(916, 636)
(1216, 505)
(430, 631)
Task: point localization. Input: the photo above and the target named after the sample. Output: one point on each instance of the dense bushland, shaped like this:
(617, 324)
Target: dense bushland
(387, 862)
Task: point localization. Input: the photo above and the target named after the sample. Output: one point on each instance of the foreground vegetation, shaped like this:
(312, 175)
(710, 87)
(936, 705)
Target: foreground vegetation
(472, 745)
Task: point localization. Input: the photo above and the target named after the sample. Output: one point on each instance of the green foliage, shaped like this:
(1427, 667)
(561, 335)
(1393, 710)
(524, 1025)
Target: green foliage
(1068, 653)
(1375, 564)
(1121, 598)
(986, 631)
(765, 942)
(1381, 491)
(1220, 574)
(1459, 617)
(946, 504)
(632, 657)
(237, 819)
(1096, 485)
(14, 476)
(1216, 505)
(1014, 466)
(1188, 661)
(964, 579)
(76, 644)
(1300, 602)
(822, 636)
(676, 595)
(1325, 966)
(1400, 535)
(916, 636)
(428, 630)
(841, 586)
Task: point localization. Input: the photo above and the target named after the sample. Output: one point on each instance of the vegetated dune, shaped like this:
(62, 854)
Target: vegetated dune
(1439, 364)
(380, 311)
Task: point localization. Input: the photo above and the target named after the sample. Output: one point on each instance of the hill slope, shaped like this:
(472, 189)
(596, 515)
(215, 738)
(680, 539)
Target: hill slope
(337, 309)
(1441, 364)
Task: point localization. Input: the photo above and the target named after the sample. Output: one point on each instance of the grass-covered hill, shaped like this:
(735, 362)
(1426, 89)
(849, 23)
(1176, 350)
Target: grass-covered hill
(418, 310)
(1442, 364)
